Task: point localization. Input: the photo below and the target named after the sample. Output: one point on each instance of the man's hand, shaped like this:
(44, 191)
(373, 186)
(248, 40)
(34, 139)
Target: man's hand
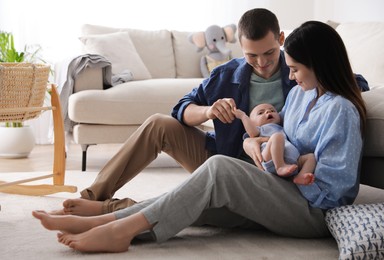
(222, 109)
(252, 146)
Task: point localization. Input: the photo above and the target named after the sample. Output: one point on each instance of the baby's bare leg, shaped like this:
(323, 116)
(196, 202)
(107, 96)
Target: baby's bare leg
(70, 223)
(274, 151)
(307, 163)
(115, 236)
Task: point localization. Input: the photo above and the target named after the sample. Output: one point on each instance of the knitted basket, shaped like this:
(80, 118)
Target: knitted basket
(22, 90)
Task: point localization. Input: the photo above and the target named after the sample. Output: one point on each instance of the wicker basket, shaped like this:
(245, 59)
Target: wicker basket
(22, 90)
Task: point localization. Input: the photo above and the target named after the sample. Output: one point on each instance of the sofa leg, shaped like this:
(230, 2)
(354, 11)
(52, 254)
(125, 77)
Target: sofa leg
(84, 147)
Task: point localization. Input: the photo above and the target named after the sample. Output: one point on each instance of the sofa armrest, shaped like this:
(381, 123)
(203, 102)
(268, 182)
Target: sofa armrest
(373, 157)
(89, 78)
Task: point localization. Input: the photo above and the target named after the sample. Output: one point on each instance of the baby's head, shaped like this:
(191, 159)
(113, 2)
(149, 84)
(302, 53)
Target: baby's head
(264, 114)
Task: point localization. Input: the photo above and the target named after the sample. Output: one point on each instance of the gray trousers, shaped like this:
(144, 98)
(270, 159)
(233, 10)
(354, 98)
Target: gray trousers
(247, 194)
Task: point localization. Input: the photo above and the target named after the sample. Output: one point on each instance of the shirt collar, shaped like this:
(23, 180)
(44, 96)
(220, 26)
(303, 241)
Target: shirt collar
(324, 98)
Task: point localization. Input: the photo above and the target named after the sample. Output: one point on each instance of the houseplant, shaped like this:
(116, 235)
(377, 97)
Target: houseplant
(17, 140)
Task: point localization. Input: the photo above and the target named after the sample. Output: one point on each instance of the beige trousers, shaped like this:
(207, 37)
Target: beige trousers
(159, 133)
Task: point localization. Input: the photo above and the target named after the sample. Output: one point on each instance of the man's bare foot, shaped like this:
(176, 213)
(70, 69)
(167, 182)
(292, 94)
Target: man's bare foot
(304, 178)
(57, 212)
(71, 224)
(286, 170)
(82, 207)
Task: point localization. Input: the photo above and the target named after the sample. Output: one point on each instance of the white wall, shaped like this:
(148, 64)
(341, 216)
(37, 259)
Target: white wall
(291, 13)
(55, 24)
(349, 10)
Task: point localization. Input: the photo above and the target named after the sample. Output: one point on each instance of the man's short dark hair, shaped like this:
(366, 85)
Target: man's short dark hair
(256, 23)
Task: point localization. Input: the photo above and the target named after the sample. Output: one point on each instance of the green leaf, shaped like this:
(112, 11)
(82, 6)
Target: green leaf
(8, 53)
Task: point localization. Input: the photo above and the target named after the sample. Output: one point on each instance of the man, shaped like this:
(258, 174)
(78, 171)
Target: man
(260, 77)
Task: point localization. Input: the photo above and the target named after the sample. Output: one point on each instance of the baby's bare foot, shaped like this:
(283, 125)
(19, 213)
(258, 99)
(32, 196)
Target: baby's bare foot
(304, 179)
(82, 207)
(286, 170)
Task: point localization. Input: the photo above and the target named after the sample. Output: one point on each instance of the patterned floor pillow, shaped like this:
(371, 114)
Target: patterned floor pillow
(358, 230)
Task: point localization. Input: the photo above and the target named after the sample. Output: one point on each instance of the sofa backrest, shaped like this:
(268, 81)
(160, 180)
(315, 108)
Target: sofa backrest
(154, 48)
(165, 54)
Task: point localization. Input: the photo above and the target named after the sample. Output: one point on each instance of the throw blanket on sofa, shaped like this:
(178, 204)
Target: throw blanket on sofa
(70, 72)
(72, 68)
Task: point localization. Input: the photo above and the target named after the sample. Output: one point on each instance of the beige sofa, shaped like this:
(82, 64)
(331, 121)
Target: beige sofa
(168, 67)
(171, 68)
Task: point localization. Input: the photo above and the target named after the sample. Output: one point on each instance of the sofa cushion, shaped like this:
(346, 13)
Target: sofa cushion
(358, 230)
(118, 48)
(154, 48)
(364, 42)
(236, 51)
(139, 99)
(374, 136)
(187, 59)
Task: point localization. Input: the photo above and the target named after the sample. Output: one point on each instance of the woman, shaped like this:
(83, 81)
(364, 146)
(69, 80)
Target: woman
(324, 115)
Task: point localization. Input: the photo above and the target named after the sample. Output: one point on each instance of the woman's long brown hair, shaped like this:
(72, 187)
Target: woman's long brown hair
(320, 48)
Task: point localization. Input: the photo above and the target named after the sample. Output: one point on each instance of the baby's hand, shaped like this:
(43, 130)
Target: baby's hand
(238, 113)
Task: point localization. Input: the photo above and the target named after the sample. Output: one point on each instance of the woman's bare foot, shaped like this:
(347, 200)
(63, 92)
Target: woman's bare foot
(99, 239)
(82, 207)
(286, 170)
(304, 178)
(69, 223)
(115, 236)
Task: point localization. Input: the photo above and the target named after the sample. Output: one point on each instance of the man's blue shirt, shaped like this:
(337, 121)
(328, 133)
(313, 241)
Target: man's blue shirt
(231, 80)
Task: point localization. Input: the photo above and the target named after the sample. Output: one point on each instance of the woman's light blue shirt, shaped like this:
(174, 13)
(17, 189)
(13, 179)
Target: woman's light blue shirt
(330, 130)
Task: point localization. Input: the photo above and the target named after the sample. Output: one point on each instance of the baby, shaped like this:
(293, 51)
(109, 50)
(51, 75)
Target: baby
(279, 155)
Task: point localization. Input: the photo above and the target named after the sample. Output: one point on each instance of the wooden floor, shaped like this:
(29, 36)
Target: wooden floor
(41, 158)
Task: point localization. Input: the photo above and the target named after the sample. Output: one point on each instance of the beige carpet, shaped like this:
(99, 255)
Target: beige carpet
(22, 236)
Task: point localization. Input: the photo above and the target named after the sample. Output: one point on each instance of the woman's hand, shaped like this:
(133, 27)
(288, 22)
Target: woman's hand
(252, 146)
(222, 109)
